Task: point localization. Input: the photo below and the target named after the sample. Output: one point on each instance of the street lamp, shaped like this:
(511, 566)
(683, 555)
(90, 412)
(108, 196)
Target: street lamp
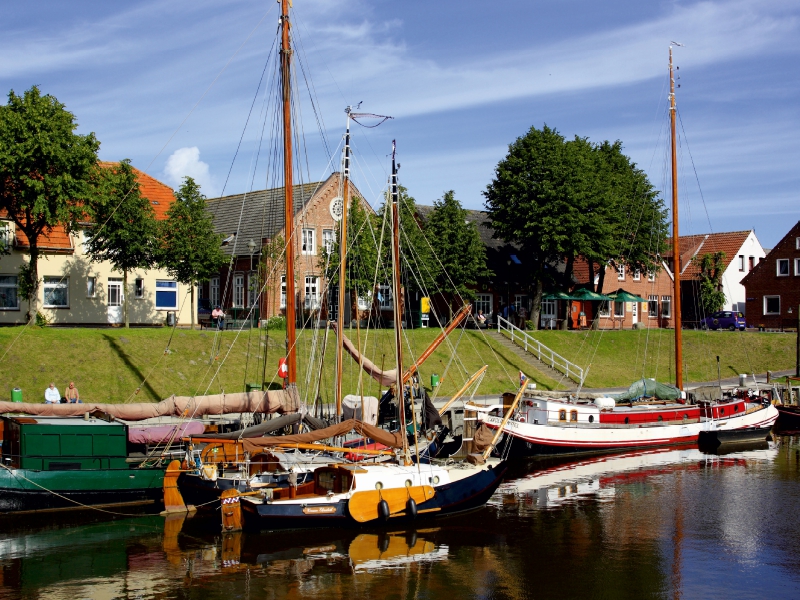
(251, 245)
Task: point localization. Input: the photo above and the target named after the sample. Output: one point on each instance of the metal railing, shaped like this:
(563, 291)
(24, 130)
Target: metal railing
(524, 340)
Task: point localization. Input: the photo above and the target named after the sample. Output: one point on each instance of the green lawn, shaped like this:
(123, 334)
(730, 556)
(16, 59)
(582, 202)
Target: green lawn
(109, 365)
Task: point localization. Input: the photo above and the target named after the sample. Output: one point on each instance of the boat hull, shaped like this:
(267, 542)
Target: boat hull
(459, 496)
(528, 439)
(27, 490)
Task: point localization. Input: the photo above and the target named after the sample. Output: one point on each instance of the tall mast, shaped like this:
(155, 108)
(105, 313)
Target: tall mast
(676, 252)
(342, 265)
(288, 209)
(396, 298)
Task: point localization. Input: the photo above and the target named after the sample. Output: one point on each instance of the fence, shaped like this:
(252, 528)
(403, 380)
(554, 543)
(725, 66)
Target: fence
(540, 351)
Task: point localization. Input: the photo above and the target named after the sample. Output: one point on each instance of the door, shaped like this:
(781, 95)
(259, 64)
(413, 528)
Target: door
(114, 301)
(634, 312)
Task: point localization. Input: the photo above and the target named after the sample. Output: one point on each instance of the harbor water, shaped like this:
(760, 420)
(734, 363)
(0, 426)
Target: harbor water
(669, 523)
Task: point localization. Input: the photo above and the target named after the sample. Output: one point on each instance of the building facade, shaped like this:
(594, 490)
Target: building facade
(773, 286)
(73, 290)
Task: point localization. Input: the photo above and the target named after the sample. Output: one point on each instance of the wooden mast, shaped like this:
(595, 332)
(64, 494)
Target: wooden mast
(286, 59)
(342, 267)
(396, 297)
(676, 252)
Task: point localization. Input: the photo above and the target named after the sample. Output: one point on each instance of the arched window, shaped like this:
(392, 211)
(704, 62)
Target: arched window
(562, 415)
(573, 415)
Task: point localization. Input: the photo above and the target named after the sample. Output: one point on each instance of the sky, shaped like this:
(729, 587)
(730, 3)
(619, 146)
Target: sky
(170, 85)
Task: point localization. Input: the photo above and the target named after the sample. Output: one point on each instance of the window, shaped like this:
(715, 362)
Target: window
(166, 294)
(139, 288)
(91, 287)
(621, 273)
(385, 297)
(573, 415)
(483, 303)
(603, 311)
(637, 275)
(752, 262)
(797, 266)
(562, 415)
(6, 235)
(238, 290)
(327, 240)
(519, 302)
(56, 292)
(741, 262)
(619, 309)
(783, 267)
(772, 305)
(213, 291)
(252, 288)
(283, 291)
(652, 307)
(666, 303)
(308, 242)
(9, 298)
(312, 292)
(114, 291)
(364, 301)
(651, 276)
(797, 243)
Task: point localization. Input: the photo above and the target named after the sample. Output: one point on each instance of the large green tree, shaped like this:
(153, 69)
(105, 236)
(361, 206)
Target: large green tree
(458, 247)
(125, 231)
(45, 172)
(190, 251)
(712, 267)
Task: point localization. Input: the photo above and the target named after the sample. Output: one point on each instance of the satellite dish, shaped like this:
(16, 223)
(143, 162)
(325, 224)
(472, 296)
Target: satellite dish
(336, 208)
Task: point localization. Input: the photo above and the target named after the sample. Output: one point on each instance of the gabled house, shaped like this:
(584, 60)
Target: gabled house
(742, 253)
(75, 291)
(773, 286)
(252, 225)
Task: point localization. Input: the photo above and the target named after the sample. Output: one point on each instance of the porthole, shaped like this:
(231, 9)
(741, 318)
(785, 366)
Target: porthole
(378, 485)
(722, 411)
(408, 483)
(685, 416)
(591, 418)
(435, 479)
(735, 408)
(627, 420)
(660, 418)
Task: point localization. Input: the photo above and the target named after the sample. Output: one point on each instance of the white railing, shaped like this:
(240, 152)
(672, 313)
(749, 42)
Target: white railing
(524, 340)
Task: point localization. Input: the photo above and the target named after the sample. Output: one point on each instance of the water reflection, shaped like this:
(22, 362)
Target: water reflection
(661, 523)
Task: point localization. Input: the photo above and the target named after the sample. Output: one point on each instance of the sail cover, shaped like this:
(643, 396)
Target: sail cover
(393, 440)
(175, 406)
(649, 388)
(386, 378)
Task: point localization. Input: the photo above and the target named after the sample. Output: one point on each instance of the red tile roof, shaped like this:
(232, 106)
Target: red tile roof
(697, 245)
(160, 195)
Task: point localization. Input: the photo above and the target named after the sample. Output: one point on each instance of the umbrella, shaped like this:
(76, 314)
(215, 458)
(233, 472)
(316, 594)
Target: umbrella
(556, 296)
(587, 295)
(622, 296)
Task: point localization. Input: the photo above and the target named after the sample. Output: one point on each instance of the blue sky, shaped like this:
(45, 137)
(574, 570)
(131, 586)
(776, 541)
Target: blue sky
(462, 79)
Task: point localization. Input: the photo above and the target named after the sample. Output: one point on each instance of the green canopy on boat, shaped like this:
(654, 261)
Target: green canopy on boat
(622, 296)
(648, 388)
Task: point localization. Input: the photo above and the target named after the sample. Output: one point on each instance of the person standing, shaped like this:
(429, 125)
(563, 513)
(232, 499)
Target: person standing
(51, 395)
(72, 395)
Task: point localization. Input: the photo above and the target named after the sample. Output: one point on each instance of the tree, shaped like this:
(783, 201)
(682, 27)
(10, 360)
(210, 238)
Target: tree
(125, 231)
(712, 266)
(45, 172)
(458, 247)
(191, 251)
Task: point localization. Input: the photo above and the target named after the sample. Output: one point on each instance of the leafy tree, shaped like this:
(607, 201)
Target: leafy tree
(45, 172)
(362, 253)
(125, 230)
(458, 247)
(191, 251)
(712, 266)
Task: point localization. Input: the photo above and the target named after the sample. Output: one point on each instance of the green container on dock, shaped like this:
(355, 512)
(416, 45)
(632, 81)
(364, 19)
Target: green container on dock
(16, 395)
(434, 380)
(253, 387)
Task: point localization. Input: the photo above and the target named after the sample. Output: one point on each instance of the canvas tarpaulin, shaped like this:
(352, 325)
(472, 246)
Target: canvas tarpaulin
(388, 377)
(175, 406)
(649, 388)
(393, 440)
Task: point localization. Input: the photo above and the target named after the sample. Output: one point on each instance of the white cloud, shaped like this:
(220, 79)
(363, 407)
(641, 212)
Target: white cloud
(185, 162)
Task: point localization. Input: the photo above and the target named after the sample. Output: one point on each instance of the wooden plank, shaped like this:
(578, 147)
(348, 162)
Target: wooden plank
(363, 506)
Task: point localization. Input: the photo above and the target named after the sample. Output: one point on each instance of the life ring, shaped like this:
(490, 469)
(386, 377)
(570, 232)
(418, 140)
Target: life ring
(521, 420)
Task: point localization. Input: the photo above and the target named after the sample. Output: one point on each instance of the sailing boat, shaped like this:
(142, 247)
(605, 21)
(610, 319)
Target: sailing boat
(546, 425)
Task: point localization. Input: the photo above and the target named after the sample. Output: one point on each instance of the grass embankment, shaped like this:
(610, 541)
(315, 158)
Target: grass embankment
(616, 358)
(109, 365)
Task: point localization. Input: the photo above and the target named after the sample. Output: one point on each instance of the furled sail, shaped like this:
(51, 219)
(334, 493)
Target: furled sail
(273, 401)
(393, 440)
(387, 378)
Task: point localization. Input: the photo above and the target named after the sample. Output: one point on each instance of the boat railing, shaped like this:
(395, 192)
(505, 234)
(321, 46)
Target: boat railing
(543, 353)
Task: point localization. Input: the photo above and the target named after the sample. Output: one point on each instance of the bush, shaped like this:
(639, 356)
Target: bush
(529, 325)
(276, 322)
(41, 320)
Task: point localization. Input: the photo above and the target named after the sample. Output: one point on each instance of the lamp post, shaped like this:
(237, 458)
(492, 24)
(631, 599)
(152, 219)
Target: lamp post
(251, 245)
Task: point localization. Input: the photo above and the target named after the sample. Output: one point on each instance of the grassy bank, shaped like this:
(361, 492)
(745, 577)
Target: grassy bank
(109, 365)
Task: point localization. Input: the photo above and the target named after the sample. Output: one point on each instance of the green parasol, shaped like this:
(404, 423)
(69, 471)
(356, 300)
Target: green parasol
(587, 295)
(622, 296)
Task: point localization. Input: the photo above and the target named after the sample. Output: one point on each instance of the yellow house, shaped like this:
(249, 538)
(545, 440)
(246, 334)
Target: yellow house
(75, 291)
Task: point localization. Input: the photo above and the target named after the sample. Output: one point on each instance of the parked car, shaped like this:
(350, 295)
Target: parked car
(725, 319)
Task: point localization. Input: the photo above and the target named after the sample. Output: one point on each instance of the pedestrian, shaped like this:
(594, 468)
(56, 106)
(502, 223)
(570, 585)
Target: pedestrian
(72, 395)
(51, 395)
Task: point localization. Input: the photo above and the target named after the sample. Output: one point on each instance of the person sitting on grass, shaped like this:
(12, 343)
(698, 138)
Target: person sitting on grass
(72, 395)
(51, 395)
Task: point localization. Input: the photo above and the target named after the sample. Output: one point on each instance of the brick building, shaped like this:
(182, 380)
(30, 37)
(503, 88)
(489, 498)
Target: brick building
(773, 286)
(253, 227)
